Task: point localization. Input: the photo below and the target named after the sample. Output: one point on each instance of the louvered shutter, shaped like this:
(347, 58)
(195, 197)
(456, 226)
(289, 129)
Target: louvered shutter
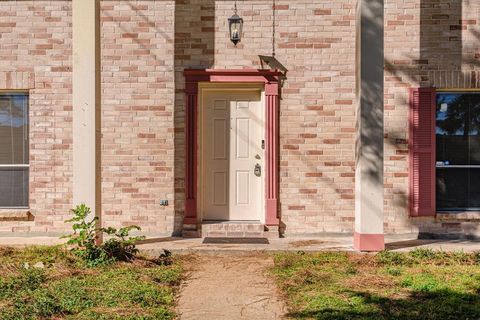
(422, 151)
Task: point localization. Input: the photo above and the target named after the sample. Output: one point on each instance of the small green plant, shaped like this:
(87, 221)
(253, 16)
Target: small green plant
(394, 271)
(85, 236)
(165, 259)
(350, 269)
(121, 246)
(391, 258)
(420, 254)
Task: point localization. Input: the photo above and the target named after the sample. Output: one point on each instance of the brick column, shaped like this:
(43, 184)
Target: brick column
(271, 105)
(86, 104)
(368, 234)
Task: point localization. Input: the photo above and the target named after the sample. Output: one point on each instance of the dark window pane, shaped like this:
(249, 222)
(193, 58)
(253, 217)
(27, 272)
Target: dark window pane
(452, 131)
(13, 129)
(452, 149)
(13, 187)
(474, 150)
(474, 156)
(452, 188)
(474, 189)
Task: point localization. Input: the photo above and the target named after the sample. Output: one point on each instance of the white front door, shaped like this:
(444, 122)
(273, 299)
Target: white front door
(232, 155)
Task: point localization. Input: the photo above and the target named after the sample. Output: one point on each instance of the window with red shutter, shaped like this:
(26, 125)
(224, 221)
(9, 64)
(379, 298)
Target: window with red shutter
(422, 151)
(457, 151)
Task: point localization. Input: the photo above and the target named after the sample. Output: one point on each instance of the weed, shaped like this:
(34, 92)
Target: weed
(394, 271)
(120, 247)
(391, 258)
(164, 259)
(350, 269)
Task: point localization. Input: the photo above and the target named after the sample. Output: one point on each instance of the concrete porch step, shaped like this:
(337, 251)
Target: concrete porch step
(233, 229)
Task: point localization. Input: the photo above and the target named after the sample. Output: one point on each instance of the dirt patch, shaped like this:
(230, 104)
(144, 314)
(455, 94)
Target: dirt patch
(230, 287)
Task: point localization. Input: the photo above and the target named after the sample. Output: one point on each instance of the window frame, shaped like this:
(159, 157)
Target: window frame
(20, 166)
(452, 210)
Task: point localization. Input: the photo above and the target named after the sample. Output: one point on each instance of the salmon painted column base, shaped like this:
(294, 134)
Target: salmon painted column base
(368, 242)
(369, 204)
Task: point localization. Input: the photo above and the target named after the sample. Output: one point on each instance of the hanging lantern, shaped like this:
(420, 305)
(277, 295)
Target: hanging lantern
(235, 24)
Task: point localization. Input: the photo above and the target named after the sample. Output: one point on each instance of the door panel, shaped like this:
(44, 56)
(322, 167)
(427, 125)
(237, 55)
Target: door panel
(220, 187)
(219, 143)
(242, 138)
(242, 188)
(216, 156)
(232, 134)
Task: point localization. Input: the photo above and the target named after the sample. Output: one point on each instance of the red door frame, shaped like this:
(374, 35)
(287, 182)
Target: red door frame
(270, 79)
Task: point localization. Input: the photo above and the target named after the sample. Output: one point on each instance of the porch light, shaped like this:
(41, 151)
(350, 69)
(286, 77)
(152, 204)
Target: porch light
(235, 24)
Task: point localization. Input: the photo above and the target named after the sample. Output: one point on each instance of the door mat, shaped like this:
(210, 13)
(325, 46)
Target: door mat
(236, 240)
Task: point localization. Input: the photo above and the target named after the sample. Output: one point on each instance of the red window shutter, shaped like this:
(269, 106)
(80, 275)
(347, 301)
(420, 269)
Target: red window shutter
(422, 151)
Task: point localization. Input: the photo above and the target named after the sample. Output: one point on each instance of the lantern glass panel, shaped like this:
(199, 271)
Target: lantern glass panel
(236, 30)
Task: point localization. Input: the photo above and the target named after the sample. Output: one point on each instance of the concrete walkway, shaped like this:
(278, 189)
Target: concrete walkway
(180, 245)
(230, 287)
(342, 243)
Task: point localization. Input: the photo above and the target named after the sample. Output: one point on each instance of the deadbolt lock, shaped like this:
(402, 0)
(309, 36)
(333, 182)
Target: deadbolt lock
(258, 170)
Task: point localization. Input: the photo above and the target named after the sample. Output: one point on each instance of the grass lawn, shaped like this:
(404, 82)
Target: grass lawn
(418, 285)
(64, 289)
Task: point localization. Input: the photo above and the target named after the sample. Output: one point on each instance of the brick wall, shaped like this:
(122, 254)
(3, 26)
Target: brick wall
(147, 44)
(193, 48)
(138, 114)
(35, 55)
(315, 42)
(427, 43)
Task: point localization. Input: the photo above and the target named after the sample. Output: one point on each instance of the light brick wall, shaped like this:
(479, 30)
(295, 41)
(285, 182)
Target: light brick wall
(35, 55)
(427, 43)
(138, 114)
(147, 44)
(193, 48)
(315, 42)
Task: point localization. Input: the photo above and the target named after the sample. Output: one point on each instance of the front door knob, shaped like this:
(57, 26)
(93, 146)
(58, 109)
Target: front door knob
(258, 170)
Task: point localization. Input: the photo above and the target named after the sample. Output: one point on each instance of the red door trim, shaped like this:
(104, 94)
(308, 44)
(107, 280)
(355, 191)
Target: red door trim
(270, 78)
